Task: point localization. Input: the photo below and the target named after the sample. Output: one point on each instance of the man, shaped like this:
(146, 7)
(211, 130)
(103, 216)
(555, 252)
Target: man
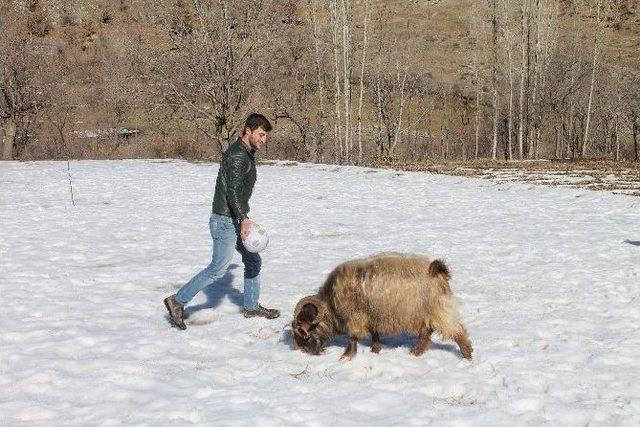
(229, 224)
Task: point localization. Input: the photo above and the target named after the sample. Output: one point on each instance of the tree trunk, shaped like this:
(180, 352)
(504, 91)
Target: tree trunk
(379, 107)
(364, 55)
(617, 152)
(523, 67)
(396, 137)
(346, 78)
(548, 38)
(572, 108)
(636, 145)
(510, 118)
(320, 137)
(336, 69)
(557, 147)
(608, 135)
(478, 86)
(585, 139)
(9, 138)
(478, 89)
(572, 112)
(534, 111)
(496, 109)
(509, 42)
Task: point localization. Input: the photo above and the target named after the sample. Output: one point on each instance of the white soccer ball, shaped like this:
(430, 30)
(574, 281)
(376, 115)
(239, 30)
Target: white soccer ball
(257, 239)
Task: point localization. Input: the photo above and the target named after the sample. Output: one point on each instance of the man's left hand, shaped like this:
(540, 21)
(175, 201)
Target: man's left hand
(245, 226)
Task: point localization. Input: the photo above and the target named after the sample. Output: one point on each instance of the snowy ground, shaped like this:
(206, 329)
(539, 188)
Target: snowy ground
(549, 279)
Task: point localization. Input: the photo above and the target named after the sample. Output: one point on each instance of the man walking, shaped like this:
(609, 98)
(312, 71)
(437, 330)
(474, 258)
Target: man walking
(229, 224)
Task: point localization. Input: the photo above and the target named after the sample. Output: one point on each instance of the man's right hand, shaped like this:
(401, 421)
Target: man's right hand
(245, 226)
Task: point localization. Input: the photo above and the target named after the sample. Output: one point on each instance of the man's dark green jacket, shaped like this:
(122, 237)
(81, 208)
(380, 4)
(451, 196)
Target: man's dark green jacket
(236, 178)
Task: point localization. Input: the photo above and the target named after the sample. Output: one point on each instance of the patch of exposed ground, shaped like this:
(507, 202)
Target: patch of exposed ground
(600, 175)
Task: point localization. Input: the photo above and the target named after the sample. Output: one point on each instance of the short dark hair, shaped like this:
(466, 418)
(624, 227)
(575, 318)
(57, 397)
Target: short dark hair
(255, 121)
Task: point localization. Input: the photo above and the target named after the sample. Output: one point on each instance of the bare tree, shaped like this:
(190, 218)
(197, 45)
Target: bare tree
(524, 45)
(339, 148)
(495, 30)
(362, 70)
(477, 115)
(21, 91)
(346, 77)
(212, 64)
(395, 89)
(543, 22)
(475, 70)
(636, 142)
(292, 62)
(319, 61)
(508, 46)
(341, 13)
(634, 115)
(534, 73)
(596, 42)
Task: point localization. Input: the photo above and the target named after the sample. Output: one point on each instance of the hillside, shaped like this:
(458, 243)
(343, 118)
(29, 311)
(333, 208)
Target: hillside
(106, 68)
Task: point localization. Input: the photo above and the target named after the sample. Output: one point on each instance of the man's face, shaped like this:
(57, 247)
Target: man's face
(257, 138)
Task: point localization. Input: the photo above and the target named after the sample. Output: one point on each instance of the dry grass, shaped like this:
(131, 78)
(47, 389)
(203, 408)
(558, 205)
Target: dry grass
(601, 175)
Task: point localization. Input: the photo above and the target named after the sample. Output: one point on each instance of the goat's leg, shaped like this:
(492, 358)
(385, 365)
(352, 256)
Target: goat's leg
(351, 350)
(376, 344)
(423, 343)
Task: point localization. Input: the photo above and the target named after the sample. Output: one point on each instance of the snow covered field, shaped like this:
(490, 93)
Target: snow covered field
(549, 280)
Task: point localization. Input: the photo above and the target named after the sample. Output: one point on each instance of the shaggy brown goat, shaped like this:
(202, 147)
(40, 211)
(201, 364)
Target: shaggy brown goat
(386, 293)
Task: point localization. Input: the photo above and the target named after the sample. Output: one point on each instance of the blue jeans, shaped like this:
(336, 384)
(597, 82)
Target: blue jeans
(225, 234)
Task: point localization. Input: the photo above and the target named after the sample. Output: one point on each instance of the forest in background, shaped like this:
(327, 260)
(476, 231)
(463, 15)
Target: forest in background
(343, 81)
